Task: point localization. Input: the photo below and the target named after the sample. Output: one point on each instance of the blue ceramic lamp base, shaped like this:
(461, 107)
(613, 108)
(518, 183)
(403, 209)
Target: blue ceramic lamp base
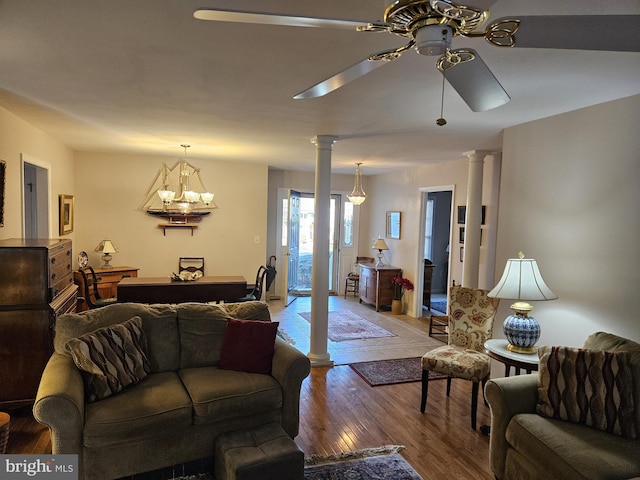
(521, 330)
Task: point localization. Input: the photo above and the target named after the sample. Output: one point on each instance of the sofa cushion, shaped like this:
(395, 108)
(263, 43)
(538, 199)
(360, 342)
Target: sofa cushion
(614, 343)
(157, 405)
(591, 387)
(158, 321)
(248, 346)
(202, 327)
(111, 358)
(572, 451)
(220, 395)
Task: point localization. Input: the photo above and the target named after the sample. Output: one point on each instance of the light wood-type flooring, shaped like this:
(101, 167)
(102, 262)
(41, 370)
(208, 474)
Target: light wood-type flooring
(340, 412)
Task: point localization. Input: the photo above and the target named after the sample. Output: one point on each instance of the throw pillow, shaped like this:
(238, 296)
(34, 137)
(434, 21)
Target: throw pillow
(248, 346)
(112, 358)
(591, 387)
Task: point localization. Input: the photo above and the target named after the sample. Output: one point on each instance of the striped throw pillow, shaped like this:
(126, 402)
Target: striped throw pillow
(111, 358)
(591, 387)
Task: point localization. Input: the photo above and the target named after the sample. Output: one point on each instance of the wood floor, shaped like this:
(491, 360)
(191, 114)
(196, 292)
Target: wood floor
(340, 412)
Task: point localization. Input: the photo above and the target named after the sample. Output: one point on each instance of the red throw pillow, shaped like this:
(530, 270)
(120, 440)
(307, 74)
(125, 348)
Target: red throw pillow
(248, 346)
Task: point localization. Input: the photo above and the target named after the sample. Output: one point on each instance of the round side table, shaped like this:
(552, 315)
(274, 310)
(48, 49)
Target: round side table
(496, 348)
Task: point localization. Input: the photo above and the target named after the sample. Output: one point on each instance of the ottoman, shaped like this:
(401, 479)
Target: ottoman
(261, 453)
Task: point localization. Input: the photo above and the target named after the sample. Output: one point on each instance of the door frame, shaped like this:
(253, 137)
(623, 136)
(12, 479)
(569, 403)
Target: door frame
(419, 283)
(43, 189)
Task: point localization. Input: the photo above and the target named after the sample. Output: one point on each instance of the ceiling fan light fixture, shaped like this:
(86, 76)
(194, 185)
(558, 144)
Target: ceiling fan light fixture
(433, 40)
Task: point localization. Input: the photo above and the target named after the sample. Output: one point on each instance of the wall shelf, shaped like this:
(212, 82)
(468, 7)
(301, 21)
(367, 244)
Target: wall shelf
(164, 227)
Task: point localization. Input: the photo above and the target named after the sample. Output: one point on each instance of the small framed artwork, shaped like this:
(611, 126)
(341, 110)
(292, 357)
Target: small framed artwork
(462, 214)
(393, 225)
(462, 254)
(462, 235)
(66, 214)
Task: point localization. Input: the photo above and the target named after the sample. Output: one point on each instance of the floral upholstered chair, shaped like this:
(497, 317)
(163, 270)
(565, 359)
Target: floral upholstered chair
(471, 315)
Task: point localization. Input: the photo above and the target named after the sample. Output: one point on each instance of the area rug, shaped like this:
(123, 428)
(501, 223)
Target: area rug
(389, 372)
(439, 305)
(346, 325)
(367, 464)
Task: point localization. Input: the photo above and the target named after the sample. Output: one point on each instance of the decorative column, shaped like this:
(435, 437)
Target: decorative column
(473, 221)
(318, 354)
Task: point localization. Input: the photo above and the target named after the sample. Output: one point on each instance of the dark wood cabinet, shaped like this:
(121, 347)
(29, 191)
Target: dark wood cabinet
(426, 290)
(36, 285)
(375, 284)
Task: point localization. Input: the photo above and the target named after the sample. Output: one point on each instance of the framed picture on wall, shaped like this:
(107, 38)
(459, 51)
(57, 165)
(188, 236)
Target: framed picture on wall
(66, 214)
(462, 214)
(393, 225)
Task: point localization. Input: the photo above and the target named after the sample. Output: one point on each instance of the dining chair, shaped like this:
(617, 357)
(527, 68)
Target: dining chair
(90, 294)
(256, 292)
(191, 264)
(471, 316)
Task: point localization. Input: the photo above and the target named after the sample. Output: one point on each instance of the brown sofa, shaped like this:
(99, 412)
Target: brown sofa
(174, 414)
(526, 445)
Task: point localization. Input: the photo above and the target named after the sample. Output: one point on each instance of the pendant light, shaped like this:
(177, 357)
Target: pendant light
(357, 196)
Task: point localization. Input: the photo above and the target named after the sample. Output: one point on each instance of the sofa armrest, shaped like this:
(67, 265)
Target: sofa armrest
(507, 397)
(59, 404)
(290, 367)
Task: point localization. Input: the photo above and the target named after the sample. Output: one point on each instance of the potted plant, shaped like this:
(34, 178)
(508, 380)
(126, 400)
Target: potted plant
(400, 285)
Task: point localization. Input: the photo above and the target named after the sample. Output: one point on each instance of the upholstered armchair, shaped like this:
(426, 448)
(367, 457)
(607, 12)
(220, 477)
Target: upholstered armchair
(471, 315)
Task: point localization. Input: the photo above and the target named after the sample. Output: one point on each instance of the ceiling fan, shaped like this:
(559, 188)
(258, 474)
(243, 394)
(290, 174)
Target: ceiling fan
(431, 25)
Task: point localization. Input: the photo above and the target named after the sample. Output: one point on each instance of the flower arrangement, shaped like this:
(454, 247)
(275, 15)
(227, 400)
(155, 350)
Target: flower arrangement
(399, 286)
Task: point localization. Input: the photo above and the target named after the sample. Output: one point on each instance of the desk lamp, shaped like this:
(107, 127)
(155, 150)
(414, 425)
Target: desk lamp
(106, 247)
(380, 245)
(522, 281)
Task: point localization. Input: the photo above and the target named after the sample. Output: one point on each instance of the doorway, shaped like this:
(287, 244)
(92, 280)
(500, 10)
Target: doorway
(435, 246)
(295, 233)
(35, 198)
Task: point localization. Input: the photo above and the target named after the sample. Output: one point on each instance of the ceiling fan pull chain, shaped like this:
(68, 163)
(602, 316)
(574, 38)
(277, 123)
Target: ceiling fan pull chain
(441, 121)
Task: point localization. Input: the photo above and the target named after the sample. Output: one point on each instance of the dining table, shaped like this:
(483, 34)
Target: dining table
(166, 290)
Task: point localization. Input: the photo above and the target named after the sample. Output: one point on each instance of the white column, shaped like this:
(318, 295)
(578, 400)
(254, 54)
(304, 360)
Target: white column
(318, 354)
(472, 229)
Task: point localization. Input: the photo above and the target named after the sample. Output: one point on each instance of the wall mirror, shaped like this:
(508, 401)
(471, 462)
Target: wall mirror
(393, 225)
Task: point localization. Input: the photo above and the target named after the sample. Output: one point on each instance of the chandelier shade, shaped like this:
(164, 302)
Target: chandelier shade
(357, 196)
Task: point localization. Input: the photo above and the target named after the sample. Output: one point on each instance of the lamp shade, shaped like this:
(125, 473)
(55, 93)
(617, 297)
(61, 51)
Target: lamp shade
(106, 246)
(522, 280)
(380, 245)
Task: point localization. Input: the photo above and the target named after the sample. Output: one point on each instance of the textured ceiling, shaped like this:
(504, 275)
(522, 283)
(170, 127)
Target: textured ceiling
(144, 76)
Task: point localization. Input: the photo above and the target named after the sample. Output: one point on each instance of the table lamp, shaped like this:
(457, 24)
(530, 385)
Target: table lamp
(380, 245)
(106, 247)
(522, 281)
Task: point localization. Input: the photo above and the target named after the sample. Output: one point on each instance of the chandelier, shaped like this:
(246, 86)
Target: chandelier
(183, 198)
(357, 196)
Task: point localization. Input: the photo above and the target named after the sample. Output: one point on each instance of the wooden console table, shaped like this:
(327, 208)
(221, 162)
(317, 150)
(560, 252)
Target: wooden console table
(375, 284)
(165, 290)
(108, 279)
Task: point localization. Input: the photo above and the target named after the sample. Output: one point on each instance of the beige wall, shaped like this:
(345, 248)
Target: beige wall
(570, 198)
(402, 191)
(110, 188)
(18, 138)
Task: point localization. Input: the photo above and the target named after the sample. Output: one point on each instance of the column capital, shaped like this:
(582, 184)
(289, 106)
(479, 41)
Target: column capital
(324, 140)
(477, 154)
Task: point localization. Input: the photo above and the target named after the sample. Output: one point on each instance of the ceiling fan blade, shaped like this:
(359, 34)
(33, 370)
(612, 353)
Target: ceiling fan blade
(615, 33)
(340, 79)
(238, 16)
(474, 82)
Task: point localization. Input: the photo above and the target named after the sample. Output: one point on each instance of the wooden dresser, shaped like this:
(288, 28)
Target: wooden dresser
(36, 285)
(108, 279)
(375, 284)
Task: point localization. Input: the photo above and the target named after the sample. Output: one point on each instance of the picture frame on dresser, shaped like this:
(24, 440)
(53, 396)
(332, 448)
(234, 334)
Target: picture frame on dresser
(66, 214)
